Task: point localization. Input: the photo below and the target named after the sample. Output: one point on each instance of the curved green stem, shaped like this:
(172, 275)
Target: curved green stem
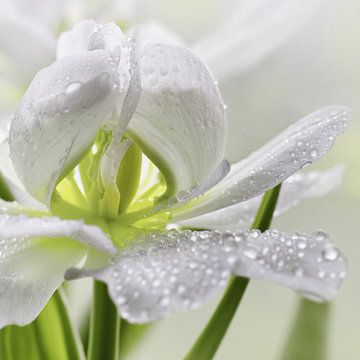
(104, 326)
(211, 337)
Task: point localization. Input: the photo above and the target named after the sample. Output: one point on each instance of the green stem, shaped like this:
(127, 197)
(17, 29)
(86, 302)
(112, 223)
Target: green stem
(211, 337)
(308, 336)
(71, 336)
(104, 326)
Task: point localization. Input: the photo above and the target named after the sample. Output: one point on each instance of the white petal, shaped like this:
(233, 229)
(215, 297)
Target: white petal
(306, 141)
(7, 171)
(30, 271)
(252, 31)
(25, 226)
(6, 166)
(164, 272)
(34, 255)
(110, 162)
(180, 119)
(76, 40)
(294, 189)
(87, 35)
(59, 117)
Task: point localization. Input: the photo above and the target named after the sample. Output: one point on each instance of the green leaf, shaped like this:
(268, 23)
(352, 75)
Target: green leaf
(308, 336)
(50, 337)
(211, 337)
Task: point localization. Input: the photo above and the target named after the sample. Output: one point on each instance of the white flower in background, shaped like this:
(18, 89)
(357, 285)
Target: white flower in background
(229, 37)
(76, 143)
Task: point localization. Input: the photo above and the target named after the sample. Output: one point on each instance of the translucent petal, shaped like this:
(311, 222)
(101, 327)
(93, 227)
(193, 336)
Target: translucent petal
(59, 116)
(110, 162)
(30, 271)
(6, 166)
(252, 31)
(8, 172)
(180, 119)
(294, 189)
(87, 35)
(25, 226)
(34, 255)
(76, 40)
(164, 272)
(302, 143)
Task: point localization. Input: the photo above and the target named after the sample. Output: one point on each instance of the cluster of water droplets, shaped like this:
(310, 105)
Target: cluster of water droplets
(163, 272)
(302, 143)
(12, 245)
(20, 226)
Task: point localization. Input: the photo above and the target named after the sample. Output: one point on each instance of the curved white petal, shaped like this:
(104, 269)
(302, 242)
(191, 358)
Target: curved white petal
(7, 171)
(306, 141)
(293, 190)
(19, 226)
(76, 40)
(59, 117)
(88, 35)
(164, 272)
(34, 255)
(253, 30)
(29, 274)
(6, 167)
(180, 119)
(110, 162)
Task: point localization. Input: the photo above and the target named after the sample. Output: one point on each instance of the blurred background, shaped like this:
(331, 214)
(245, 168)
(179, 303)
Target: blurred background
(276, 61)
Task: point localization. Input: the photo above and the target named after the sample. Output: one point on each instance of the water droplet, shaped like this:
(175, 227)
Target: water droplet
(330, 253)
(298, 271)
(320, 236)
(73, 87)
(314, 154)
(250, 253)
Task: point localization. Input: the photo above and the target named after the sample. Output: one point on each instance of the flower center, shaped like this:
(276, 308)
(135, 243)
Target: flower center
(140, 185)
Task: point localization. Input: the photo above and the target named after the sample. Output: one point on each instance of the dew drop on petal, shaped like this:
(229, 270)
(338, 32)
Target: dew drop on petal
(330, 253)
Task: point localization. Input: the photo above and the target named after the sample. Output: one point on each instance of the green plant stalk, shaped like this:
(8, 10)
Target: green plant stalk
(104, 326)
(308, 335)
(211, 337)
